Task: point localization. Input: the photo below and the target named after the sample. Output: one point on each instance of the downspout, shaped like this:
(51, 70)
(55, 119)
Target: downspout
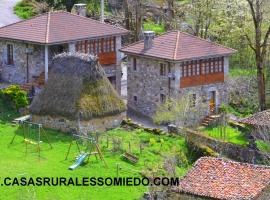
(27, 64)
(169, 81)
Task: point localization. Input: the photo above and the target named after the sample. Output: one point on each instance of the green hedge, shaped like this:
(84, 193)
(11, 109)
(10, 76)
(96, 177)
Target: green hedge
(24, 9)
(14, 95)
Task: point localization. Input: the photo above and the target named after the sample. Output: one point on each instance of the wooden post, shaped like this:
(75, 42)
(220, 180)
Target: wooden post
(140, 148)
(107, 141)
(129, 147)
(117, 169)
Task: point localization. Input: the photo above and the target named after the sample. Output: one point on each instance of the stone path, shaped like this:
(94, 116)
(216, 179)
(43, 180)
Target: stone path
(147, 123)
(6, 12)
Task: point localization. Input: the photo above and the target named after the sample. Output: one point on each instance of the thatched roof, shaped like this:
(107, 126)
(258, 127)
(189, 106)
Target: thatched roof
(258, 119)
(77, 88)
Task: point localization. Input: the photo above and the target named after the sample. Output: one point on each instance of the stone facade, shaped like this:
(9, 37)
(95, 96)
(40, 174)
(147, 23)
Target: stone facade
(81, 127)
(17, 73)
(146, 85)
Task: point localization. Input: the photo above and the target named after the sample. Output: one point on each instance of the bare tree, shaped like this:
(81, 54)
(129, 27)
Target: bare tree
(184, 111)
(259, 45)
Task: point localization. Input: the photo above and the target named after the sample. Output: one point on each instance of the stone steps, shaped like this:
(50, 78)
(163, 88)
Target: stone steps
(39, 81)
(208, 119)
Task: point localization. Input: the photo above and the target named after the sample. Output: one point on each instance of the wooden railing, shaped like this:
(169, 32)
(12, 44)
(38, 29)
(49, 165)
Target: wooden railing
(107, 58)
(207, 79)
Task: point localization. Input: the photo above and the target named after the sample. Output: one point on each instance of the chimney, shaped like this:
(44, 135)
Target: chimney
(148, 39)
(80, 9)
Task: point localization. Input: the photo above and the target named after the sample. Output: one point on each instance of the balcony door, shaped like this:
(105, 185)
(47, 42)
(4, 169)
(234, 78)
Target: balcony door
(212, 102)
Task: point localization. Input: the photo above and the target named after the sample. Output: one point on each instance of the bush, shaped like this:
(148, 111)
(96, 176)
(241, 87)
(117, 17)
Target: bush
(152, 141)
(15, 95)
(24, 9)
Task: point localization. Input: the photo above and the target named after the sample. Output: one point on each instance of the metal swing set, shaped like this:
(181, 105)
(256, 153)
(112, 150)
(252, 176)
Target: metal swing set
(32, 133)
(92, 148)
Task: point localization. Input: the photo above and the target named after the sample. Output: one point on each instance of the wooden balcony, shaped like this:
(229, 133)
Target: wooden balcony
(206, 79)
(107, 58)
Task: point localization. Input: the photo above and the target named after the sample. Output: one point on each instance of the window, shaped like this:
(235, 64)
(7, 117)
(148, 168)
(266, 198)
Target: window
(134, 64)
(135, 99)
(198, 67)
(206, 67)
(10, 60)
(193, 100)
(162, 69)
(162, 98)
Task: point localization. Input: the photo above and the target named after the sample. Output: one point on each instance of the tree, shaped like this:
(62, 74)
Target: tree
(201, 13)
(184, 111)
(259, 44)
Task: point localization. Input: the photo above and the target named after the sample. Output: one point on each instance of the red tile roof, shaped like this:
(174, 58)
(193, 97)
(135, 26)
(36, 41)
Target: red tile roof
(224, 179)
(58, 27)
(176, 45)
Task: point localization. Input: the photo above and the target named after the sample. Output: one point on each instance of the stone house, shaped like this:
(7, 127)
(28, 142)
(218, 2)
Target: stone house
(27, 47)
(217, 178)
(173, 64)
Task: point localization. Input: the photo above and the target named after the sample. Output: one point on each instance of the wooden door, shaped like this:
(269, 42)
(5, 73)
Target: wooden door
(212, 102)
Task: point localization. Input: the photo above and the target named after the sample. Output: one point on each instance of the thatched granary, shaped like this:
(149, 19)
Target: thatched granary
(77, 96)
(260, 123)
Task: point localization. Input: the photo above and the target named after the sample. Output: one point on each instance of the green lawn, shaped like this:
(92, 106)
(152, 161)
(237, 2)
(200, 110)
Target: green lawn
(263, 146)
(231, 135)
(157, 28)
(16, 163)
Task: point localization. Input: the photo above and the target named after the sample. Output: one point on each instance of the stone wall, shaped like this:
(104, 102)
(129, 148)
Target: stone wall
(232, 151)
(82, 127)
(17, 73)
(147, 84)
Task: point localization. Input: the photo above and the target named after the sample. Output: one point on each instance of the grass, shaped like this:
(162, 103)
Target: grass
(157, 28)
(263, 146)
(16, 163)
(231, 135)
(24, 9)
(242, 72)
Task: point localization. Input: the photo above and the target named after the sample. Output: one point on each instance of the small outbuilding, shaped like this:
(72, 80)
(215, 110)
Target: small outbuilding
(217, 178)
(260, 125)
(77, 97)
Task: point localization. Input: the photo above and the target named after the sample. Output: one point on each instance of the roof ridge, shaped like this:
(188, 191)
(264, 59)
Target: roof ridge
(231, 161)
(176, 45)
(141, 41)
(88, 18)
(48, 27)
(205, 40)
(24, 20)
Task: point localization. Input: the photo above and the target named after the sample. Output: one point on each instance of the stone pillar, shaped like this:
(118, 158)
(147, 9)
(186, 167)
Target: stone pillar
(177, 78)
(226, 67)
(46, 62)
(71, 47)
(118, 74)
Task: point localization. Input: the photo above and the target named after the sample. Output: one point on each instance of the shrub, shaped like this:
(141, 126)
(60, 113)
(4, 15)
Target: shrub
(152, 141)
(15, 95)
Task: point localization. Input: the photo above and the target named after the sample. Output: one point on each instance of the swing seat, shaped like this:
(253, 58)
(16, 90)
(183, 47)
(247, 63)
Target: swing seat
(30, 142)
